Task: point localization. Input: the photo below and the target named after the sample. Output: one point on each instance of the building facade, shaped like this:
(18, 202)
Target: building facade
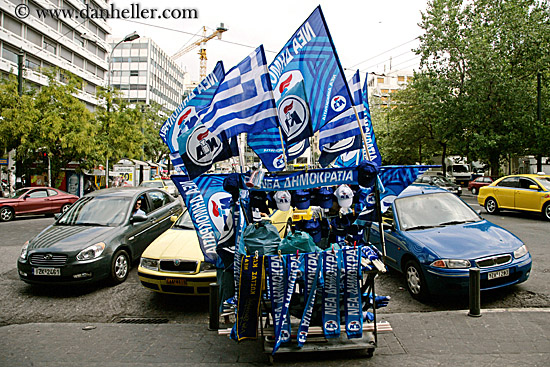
(145, 73)
(381, 86)
(68, 43)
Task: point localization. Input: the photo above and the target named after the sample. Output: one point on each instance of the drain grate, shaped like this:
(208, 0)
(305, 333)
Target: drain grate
(141, 320)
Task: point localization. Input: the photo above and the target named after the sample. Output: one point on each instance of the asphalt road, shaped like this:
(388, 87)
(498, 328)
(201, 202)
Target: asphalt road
(22, 303)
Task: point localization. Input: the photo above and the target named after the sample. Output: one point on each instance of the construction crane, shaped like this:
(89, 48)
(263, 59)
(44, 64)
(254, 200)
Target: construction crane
(202, 51)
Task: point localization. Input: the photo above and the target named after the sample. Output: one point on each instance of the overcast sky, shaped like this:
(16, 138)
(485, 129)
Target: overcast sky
(366, 33)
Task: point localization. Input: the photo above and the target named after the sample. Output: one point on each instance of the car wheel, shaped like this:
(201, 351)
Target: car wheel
(416, 284)
(491, 206)
(6, 214)
(120, 266)
(546, 211)
(474, 191)
(65, 207)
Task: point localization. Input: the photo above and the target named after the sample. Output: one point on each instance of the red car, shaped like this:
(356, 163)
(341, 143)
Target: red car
(35, 200)
(474, 185)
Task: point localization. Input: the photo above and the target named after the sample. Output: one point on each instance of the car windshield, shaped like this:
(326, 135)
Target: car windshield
(545, 181)
(156, 184)
(19, 193)
(184, 221)
(97, 211)
(168, 182)
(433, 210)
(460, 168)
(441, 180)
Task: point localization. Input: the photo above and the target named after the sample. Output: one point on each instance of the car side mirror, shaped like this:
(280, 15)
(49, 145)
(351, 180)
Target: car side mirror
(137, 218)
(533, 187)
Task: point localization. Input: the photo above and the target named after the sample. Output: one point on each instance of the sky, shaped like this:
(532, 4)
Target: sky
(366, 33)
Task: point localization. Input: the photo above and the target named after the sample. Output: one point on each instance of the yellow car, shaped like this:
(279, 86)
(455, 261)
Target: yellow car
(164, 184)
(173, 263)
(526, 192)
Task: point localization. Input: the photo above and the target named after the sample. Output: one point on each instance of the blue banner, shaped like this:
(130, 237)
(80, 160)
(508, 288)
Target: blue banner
(352, 292)
(374, 153)
(331, 294)
(308, 60)
(250, 292)
(184, 117)
(312, 268)
(278, 284)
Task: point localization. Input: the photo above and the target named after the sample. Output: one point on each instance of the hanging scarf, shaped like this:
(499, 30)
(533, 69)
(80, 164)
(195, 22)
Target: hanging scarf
(352, 293)
(331, 294)
(311, 276)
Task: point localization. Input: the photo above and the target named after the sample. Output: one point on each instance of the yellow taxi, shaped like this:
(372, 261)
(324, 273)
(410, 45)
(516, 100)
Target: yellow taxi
(174, 264)
(165, 184)
(526, 192)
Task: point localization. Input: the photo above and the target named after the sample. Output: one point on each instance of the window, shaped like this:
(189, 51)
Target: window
(9, 53)
(90, 88)
(380, 80)
(50, 45)
(509, 182)
(11, 24)
(90, 66)
(91, 47)
(134, 73)
(78, 61)
(524, 183)
(52, 192)
(67, 31)
(158, 199)
(38, 194)
(79, 40)
(34, 37)
(32, 63)
(66, 54)
(52, 22)
(400, 78)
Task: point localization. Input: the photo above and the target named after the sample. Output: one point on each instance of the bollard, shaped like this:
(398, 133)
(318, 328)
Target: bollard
(214, 307)
(475, 292)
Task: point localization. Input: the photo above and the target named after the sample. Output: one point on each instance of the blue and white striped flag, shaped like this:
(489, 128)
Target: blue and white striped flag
(345, 125)
(185, 118)
(244, 101)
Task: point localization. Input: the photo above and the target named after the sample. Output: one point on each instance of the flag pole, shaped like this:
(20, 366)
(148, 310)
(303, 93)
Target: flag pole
(362, 133)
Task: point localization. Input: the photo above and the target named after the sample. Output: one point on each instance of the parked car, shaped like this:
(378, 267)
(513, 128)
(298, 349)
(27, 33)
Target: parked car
(434, 238)
(474, 185)
(164, 184)
(98, 237)
(526, 192)
(174, 262)
(440, 181)
(35, 200)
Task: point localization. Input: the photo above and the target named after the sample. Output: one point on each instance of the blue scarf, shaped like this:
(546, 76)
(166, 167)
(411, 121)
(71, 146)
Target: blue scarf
(331, 294)
(352, 293)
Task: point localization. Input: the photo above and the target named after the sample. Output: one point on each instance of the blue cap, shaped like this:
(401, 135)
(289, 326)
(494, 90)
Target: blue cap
(325, 197)
(301, 199)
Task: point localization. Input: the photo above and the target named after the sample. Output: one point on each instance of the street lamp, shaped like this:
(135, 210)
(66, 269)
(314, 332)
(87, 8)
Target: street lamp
(128, 38)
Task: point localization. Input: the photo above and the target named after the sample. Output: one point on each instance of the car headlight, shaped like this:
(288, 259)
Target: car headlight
(151, 264)
(91, 252)
(451, 264)
(24, 251)
(207, 266)
(522, 251)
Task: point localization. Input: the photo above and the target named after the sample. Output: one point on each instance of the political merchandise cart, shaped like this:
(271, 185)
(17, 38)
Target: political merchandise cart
(299, 299)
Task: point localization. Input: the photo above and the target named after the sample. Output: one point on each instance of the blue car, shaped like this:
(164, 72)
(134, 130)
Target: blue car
(434, 238)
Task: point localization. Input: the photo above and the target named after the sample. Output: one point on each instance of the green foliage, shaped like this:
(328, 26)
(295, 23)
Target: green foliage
(476, 95)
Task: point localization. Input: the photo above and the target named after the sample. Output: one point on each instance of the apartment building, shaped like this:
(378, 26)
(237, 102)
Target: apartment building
(383, 85)
(73, 44)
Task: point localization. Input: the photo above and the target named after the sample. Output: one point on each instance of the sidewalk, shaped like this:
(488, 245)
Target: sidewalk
(510, 337)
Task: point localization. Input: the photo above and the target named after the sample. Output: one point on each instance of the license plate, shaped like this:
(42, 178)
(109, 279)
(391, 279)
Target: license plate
(176, 281)
(47, 271)
(498, 274)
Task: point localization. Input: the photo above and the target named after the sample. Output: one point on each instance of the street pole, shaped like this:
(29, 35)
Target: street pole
(128, 38)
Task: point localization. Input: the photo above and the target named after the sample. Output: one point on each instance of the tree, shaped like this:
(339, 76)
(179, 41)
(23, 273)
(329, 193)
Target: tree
(64, 127)
(154, 148)
(484, 56)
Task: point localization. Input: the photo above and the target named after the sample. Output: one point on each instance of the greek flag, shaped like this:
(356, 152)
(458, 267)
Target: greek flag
(244, 100)
(184, 117)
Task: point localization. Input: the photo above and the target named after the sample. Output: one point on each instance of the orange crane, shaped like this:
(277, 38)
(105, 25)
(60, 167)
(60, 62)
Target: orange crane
(202, 51)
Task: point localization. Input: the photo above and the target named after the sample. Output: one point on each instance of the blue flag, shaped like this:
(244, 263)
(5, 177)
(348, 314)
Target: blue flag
(184, 117)
(308, 58)
(372, 147)
(349, 159)
(200, 149)
(345, 125)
